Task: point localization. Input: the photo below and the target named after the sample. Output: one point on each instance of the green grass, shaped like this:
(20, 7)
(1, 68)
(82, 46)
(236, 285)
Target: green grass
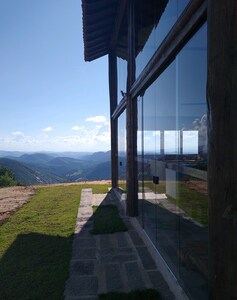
(148, 294)
(192, 202)
(158, 189)
(106, 219)
(35, 244)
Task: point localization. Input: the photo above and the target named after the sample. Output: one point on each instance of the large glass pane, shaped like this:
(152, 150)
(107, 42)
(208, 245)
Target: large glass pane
(140, 161)
(172, 160)
(159, 216)
(122, 77)
(122, 151)
(192, 185)
(159, 29)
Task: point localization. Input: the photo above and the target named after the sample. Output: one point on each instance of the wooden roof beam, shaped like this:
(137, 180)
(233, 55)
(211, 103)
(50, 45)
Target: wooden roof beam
(117, 23)
(93, 56)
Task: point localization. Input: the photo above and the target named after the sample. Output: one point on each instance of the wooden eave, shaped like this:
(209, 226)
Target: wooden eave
(105, 25)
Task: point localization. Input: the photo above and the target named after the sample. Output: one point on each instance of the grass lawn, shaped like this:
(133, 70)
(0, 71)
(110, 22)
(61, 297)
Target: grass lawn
(148, 294)
(106, 219)
(192, 202)
(35, 244)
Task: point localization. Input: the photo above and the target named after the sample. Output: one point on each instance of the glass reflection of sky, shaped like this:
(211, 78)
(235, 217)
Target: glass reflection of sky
(190, 142)
(176, 101)
(172, 11)
(172, 141)
(122, 76)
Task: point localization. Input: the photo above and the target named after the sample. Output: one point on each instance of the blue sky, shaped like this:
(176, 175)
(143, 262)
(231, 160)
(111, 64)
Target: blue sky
(51, 99)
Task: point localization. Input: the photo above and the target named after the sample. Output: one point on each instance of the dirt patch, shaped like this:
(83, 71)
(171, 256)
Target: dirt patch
(12, 198)
(75, 183)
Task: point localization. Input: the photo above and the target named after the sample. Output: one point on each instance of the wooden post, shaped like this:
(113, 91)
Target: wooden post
(113, 122)
(132, 185)
(222, 148)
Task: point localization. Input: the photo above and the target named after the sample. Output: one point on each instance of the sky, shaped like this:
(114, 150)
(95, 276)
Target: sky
(50, 98)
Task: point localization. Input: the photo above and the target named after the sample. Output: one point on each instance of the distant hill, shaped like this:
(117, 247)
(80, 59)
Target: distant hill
(10, 153)
(98, 172)
(98, 156)
(35, 158)
(28, 175)
(77, 166)
(64, 166)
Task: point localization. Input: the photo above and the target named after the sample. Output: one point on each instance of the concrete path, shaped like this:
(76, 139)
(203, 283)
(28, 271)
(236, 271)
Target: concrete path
(109, 262)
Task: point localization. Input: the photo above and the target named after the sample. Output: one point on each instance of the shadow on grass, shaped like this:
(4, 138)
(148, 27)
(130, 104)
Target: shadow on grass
(28, 268)
(106, 220)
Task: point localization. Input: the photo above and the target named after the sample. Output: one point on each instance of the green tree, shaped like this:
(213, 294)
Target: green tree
(7, 177)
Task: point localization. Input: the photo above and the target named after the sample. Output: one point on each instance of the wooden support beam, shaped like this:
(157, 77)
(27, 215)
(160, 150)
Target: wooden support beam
(113, 122)
(222, 147)
(132, 185)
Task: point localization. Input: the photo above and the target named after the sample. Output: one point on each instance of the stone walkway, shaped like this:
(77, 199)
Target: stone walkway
(109, 262)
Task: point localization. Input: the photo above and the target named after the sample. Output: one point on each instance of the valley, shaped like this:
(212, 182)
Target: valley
(53, 168)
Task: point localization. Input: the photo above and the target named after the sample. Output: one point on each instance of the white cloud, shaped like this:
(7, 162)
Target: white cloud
(47, 129)
(76, 127)
(94, 136)
(18, 133)
(84, 139)
(98, 119)
(104, 137)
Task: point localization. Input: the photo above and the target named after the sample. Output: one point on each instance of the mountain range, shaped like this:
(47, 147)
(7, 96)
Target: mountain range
(52, 167)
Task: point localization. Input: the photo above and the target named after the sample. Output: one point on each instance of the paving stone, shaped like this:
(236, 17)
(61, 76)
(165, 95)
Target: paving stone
(107, 241)
(136, 238)
(135, 281)
(113, 278)
(86, 225)
(122, 239)
(127, 223)
(82, 286)
(146, 258)
(84, 243)
(84, 218)
(85, 204)
(117, 255)
(160, 284)
(82, 267)
(83, 233)
(84, 253)
(106, 263)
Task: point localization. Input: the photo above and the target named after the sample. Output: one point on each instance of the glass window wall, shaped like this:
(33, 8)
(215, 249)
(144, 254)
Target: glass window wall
(122, 151)
(172, 160)
(122, 77)
(172, 10)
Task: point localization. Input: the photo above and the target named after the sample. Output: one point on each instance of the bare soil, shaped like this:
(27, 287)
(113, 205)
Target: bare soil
(13, 198)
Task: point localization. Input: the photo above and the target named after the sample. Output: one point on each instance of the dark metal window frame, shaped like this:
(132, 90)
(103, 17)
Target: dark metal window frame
(193, 17)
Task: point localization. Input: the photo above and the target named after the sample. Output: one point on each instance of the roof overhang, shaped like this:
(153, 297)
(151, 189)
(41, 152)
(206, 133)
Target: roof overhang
(100, 16)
